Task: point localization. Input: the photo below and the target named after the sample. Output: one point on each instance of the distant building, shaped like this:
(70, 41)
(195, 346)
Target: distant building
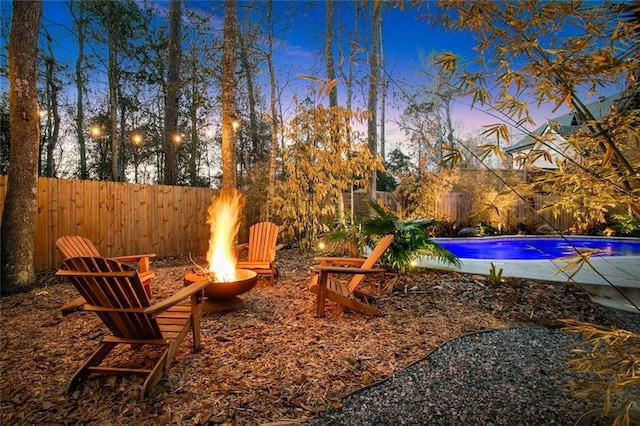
(547, 145)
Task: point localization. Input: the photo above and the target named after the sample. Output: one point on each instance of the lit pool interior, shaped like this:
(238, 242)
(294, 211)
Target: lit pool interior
(537, 248)
(613, 269)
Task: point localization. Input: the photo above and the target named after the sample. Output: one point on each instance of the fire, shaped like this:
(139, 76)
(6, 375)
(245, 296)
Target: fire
(223, 217)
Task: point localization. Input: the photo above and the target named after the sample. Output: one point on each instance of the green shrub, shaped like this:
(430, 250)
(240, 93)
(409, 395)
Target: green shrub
(627, 225)
(411, 238)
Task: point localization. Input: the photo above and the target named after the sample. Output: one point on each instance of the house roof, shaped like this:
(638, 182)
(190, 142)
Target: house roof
(565, 124)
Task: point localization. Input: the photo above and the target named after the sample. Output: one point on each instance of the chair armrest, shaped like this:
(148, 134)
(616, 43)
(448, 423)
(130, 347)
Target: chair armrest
(242, 264)
(346, 270)
(133, 257)
(115, 274)
(94, 308)
(72, 306)
(192, 289)
(324, 260)
(146, 276)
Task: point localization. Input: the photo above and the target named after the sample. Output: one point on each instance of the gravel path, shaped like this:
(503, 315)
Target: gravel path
(514, 376)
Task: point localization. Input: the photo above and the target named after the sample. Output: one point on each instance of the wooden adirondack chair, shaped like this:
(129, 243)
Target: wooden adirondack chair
(115, 293)
(77, 246)
(346, 294)
(261, 250)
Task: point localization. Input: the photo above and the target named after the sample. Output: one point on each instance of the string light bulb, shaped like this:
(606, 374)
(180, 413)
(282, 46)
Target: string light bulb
(136, 138)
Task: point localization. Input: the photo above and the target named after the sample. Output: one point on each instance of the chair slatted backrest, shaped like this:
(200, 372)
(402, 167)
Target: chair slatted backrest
(117, 289)
(371, 260)
(75, 246)
(263, 237)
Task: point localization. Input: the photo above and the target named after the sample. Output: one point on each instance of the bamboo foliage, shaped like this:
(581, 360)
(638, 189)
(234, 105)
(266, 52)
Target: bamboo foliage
(610, 360)
(325, 157)
(595, 183)
(548, 53)
(421, 191)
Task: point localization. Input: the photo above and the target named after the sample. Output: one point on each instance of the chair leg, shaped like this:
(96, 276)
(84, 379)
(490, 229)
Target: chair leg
(195, 322)
(322, 294)
(147, 288)
(154, 377)
(94, 360)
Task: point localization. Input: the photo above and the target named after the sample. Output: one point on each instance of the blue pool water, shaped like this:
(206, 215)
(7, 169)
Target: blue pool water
(537, 248)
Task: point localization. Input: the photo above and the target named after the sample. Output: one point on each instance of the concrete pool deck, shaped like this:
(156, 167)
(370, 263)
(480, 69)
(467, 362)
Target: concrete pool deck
(621, 271)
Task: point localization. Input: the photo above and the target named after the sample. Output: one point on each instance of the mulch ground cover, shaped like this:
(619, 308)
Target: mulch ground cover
(270, 361)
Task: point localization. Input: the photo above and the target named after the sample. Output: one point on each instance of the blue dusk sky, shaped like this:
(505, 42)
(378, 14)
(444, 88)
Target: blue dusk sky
(299, 32)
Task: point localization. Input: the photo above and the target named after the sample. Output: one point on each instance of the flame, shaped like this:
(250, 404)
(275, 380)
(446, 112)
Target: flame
(223, 218)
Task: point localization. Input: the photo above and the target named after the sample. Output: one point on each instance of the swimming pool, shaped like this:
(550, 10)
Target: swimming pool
(616, 261)
(537, 248)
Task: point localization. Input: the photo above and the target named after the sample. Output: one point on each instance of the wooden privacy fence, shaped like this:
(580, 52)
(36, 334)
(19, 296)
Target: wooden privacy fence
(125, 218)
(120, 218)
(459, 208)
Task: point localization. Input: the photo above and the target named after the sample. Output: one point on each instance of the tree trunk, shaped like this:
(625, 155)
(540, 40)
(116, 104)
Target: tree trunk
(113, 94)
(47, 144)
(121, 139)
(333, 95)
(229, 177)
(19, 215)
(328, 53)
(374, 71)
(173, 94)
(348, 79)
(195, 140)
(257, 151)
(383, 102)
(274, 115)
(79, 21)
(53, 114)
(51, 172)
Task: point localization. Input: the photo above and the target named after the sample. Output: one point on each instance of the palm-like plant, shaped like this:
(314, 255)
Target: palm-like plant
(411, 238)
(347, 239)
